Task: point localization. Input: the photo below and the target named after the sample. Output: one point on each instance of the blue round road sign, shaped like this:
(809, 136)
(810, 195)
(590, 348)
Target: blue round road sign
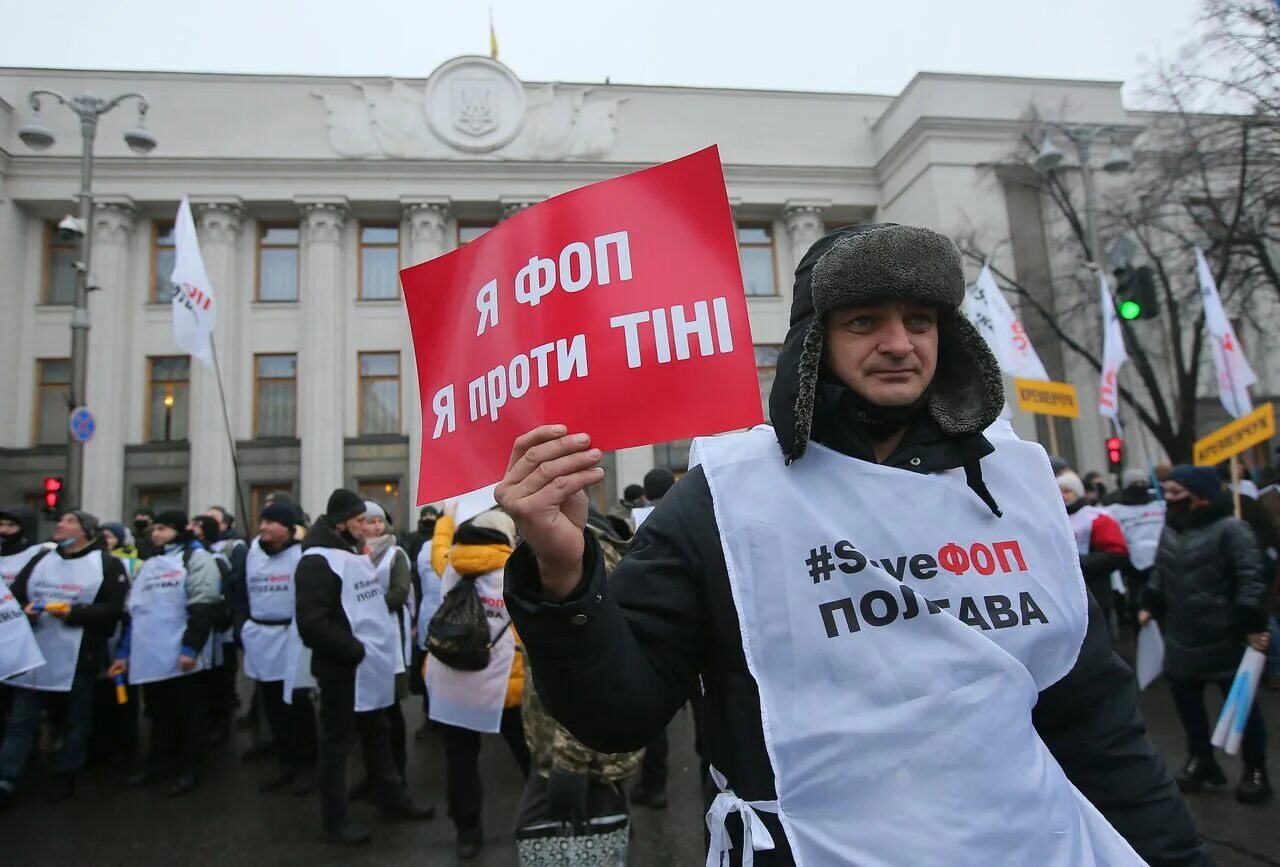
(82, 424)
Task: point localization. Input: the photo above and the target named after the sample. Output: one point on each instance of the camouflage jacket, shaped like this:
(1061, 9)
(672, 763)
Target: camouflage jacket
(549, 743)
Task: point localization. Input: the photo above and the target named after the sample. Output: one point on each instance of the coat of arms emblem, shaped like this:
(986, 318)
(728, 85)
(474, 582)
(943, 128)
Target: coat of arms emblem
(475, 105)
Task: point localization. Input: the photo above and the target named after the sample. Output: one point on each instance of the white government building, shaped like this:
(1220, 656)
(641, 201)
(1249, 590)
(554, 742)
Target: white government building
(310, 192)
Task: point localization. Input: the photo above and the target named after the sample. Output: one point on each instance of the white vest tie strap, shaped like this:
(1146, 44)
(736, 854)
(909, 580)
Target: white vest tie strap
(755, 836)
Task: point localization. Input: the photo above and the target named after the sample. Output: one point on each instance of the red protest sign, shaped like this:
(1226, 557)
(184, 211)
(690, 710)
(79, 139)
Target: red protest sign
(616, 309)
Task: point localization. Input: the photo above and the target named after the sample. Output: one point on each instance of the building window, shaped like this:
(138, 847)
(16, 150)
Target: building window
(53, 384)
(258, 495)
(161, 499)
(275, 396)
(766, 370)
(278, 263)
(468, 232)
(384, 492)
(168, 383)
(755, 249)
(379, 263)
(59, 268)
(379, 393)
(163, 254)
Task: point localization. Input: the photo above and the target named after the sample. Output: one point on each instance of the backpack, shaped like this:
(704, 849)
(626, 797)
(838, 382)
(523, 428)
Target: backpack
(458, 634)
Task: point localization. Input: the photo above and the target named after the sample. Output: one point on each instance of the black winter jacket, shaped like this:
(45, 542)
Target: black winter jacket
(99, 617)
(1208, 590)
(322, 622)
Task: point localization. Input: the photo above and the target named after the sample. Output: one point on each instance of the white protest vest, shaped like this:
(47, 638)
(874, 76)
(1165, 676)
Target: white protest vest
(474, 699)
(366, 608)
(269, 584)
(297, 670)
(899, 634)
(1082, 527)
(403, 619)
(158, 611)
(1142, 526)
(18, 649)
(432, 594)
(12, 564)
(54, 579)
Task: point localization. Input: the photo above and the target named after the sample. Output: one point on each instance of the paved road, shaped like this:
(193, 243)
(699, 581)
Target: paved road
(228, 822)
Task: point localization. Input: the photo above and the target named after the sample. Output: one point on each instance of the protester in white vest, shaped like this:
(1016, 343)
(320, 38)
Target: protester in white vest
(167, 648)
(1141, 519)
(1099, 542)
(430, 596)
(356, 654)
(73, 598)
(223, 701)
(395, 577)
(880, 597)
(19, 543)
(264, 614)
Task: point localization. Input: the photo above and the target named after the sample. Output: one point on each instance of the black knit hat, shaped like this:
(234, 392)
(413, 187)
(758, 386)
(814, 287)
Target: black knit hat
(343, 505)
(279, 512)
(175, 518)
(209, 528)
(1200, 482)
(872, 264)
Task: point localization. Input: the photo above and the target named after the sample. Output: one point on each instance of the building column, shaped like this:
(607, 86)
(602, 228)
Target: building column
(323, 366)
(112, 314)
(805, 226)
(218, 225)
(425, 225)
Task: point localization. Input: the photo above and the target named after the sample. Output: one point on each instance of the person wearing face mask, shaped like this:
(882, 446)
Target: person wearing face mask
(142, 519)
(356, 654)
(166, 647)
(391, 565)
(1208, 592)
(264, 612)
(73, 598)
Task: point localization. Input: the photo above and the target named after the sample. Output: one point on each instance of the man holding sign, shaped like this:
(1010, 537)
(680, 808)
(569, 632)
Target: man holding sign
(880, 598)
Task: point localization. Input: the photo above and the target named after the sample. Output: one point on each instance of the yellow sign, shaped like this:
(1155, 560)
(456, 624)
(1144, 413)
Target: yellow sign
(1232, 439)
(1047, 398)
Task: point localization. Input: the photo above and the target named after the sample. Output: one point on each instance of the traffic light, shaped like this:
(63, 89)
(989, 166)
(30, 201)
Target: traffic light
(1136, 296)
(1115, 453)
(52, 494)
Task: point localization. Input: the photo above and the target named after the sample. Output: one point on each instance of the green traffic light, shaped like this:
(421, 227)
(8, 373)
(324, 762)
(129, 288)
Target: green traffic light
(1130, 310)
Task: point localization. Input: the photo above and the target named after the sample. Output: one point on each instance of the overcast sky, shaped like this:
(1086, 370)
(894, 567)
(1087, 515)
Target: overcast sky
(849, 45)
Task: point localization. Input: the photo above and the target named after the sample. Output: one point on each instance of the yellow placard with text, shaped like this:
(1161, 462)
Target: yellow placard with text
(1236, 437)
(1047, 398)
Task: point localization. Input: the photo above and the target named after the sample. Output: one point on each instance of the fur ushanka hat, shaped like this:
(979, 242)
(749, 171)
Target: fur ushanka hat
(868, 264)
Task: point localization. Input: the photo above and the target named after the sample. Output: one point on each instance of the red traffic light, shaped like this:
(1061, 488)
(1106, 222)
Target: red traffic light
(1115, 452)
(52, 491)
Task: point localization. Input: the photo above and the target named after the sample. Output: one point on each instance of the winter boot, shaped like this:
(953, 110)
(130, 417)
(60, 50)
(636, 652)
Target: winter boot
(1198, 772)
(470, 842)
(1254, 786)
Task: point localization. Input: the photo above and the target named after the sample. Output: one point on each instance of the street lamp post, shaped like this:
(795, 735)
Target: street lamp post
(37, 136)
(168, 414)
(1082, 137)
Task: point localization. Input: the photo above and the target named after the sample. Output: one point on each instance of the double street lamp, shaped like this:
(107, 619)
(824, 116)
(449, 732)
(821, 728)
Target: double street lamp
(1082, 137)
(37, 136)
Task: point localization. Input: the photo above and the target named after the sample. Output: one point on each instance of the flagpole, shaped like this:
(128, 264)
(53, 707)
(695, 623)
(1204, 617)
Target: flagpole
(231, 441)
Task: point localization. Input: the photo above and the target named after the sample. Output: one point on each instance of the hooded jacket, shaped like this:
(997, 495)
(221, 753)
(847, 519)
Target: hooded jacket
(99, 617)
(617, 658)
(11, 562)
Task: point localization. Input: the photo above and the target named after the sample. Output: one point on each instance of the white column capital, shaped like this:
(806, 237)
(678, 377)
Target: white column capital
(427, 220)
(323, 219)
(218, 220)
(512, 205)
(114, 220)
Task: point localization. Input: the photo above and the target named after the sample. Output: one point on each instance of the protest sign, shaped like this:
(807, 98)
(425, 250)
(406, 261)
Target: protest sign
(616, 309)
(1047, 398)
(1236, 437)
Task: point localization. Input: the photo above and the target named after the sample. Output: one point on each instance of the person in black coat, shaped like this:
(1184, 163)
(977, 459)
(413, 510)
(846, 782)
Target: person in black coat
(1208, 590)
(613, 660)
(336, 653)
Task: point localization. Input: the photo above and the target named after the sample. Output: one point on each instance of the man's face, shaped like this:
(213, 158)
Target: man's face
(1177, 496)
(110, 539)
(274, 534)
(194, 528)
(141, 522)
(219, 516)
(162, 534)
(9, 528)
(353, 526)
(887, 353)
(68, 528)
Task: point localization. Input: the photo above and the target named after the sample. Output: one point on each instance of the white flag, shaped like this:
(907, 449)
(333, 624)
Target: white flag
(1234, 373)
(991, 314)
(194, 309)
(1113, 353)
